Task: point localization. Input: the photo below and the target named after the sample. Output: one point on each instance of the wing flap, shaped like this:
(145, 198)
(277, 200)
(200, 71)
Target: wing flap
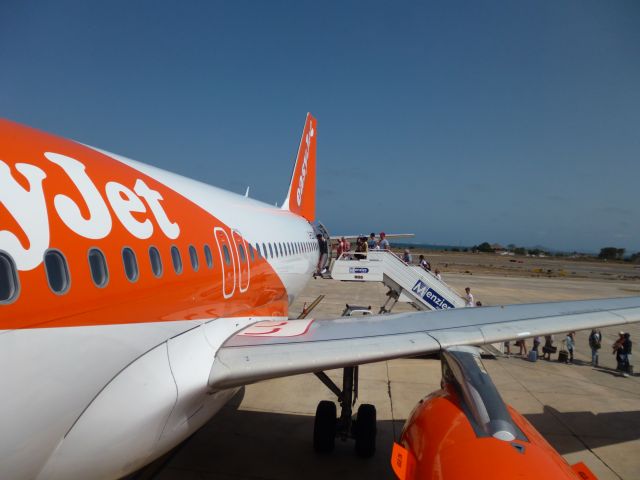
(348, 341)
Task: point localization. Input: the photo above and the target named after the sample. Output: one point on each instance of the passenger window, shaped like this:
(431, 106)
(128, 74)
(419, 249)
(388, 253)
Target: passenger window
(227, 257)
(156, 261)
(289, 248)
(176, 258)
(57, 271)
(208, 257)
(193, 256)
(130, 264)
(270, 250)
(243, 256)
(258, 250)
(98, 267)
(251, 254)
(280, 247)
(9, 286)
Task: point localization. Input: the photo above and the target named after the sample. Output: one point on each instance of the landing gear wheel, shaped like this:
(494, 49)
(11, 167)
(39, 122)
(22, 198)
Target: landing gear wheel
(324, 428)
(365, 431)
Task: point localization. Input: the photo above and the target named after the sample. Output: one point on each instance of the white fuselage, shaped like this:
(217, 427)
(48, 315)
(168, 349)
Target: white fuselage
(101, 401)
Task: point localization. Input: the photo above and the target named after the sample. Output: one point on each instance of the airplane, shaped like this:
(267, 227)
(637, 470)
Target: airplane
(135, 302)
(468, 414)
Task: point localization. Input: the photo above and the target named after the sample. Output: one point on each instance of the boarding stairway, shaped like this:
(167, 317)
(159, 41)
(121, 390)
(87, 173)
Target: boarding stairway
(407, 283)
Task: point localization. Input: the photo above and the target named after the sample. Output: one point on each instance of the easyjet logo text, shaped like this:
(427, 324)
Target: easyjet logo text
(29, 208)
(305, 161)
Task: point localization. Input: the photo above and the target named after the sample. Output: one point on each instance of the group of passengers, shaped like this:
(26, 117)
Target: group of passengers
(621, 348)
(363, 246)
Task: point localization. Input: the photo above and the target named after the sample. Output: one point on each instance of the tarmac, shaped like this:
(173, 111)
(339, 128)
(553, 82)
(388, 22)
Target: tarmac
(588, 414)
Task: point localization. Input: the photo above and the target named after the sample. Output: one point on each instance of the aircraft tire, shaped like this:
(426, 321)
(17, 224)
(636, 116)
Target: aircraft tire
(324, 427)
(365, 430)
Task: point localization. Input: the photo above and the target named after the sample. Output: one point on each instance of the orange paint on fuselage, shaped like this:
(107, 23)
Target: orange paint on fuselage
(442, 445)
(189, 295)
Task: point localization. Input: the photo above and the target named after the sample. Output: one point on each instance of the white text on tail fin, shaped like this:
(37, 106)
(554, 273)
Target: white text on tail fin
(301, 198)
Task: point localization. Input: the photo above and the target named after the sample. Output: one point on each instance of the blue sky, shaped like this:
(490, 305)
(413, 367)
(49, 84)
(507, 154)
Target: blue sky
(506, 121)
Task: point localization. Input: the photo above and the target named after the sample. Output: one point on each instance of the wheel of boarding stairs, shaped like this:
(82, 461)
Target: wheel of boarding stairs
(365, 430)
(324, 427)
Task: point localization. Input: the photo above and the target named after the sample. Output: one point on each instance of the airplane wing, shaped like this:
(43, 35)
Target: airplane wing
(277, 349)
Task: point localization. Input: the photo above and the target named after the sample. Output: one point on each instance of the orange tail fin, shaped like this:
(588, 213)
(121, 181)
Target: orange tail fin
(301, 198)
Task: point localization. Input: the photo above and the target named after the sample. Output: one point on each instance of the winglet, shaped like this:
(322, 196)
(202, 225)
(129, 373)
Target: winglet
(301, 198)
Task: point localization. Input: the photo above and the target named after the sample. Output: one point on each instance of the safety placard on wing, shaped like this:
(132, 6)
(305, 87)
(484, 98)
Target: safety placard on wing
(273, 328)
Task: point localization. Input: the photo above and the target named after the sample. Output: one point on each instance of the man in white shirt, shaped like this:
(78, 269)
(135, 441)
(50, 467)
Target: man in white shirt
(469, 298)
(383, 244)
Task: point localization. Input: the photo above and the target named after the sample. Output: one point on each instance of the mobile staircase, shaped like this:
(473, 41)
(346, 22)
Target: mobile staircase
(407, 283)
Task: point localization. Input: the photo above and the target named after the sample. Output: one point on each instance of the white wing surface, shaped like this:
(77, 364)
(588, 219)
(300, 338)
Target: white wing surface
(279, 349)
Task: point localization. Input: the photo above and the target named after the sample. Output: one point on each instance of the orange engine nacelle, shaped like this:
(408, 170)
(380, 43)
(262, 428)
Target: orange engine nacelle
(453, 435)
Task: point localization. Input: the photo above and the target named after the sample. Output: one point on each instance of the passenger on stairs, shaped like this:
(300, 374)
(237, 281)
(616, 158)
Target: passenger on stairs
(424, 264)
(340, 249)
(362, 247)
(438, 276)
(406, 257)
(371, 243)
(383, 244)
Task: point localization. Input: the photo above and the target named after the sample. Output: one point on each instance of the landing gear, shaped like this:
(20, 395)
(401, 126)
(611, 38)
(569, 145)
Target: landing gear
(324, 427)
(328, 426)
(365, 431)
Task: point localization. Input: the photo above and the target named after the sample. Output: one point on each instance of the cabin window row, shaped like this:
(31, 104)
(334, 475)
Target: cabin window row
(100, 273)
(59, 278)
(283, 249)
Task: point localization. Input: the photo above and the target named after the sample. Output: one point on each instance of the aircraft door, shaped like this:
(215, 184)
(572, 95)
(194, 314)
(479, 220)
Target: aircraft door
(227, 262)
(242, 255)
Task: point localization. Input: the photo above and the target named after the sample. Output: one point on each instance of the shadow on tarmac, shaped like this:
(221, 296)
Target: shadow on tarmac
(251, 444)
(592, 430)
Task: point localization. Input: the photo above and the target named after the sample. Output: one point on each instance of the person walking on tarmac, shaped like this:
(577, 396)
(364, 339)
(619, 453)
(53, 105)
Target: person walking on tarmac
(570, 341)
(469, 298)
(595, 342)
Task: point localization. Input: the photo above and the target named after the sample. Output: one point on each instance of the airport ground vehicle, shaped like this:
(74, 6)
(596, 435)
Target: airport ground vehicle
(135, 302)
